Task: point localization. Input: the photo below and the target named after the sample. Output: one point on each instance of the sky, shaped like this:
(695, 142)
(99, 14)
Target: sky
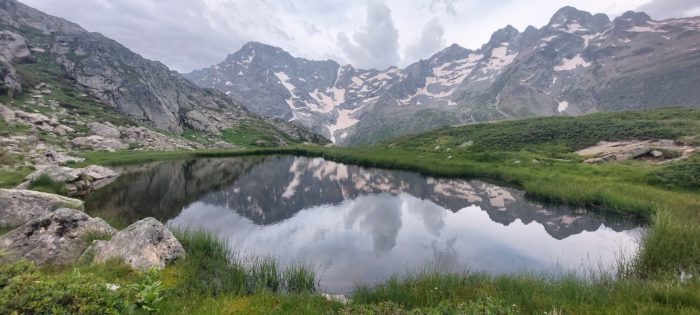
(192, 34)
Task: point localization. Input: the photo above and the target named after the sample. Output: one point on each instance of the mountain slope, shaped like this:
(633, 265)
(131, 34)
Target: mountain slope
(143, 90)
(576, 64)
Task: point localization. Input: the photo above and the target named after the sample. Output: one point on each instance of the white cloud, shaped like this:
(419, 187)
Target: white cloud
(376, 43)
(431, 37)
(189, 34)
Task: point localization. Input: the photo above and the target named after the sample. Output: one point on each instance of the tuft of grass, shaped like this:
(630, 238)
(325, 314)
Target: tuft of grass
(45, 183)
(299, 279)
(209, 268)
(264, 275)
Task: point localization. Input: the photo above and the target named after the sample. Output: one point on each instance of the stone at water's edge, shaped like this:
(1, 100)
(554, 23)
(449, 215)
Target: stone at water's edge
(79, 181)
(20, 206)
(142, 245)
(58, 238)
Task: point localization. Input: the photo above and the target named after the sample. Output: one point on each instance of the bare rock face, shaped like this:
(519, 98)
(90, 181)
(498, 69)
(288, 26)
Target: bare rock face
(58, 238)
(143, 245)
(13, 48)
(20, 206)
(79, 181)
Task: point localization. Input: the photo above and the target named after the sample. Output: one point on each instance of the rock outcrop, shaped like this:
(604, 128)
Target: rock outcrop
(58, 238)
(79, 181)
(143, 245)
(98, 143)
(20, 206)
(13, 49)
(661, 150)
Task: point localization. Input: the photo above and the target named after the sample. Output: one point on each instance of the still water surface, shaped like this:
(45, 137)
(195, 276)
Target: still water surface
(356, 224)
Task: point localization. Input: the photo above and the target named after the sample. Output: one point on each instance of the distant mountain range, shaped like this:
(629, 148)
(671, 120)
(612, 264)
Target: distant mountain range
(576, 64)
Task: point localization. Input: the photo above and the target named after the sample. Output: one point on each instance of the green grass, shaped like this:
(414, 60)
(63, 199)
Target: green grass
(11, 178)
(212, 271)
(532, 294)
(5, 229)
(684, 174)
(45, 183)
(252, 133)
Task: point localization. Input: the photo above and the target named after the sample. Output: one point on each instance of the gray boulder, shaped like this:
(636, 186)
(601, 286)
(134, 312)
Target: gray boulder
(20, 206)
(79, 181)
(223, 145)
(58, 238)
(55, 157)
(143, 245)
(105, 130)
(98, 143)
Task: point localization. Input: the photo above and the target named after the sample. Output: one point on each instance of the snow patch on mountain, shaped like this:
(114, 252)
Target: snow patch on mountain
(563, 105)
(343, 121)
(572, 64)
(499, 59)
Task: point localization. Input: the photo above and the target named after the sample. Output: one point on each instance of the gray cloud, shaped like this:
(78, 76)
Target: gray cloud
(191, 34)
(447, 5)
(664, 9)
(430, 41)
(376, 43)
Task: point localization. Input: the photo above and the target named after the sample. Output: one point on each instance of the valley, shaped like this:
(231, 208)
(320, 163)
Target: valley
(553, 170)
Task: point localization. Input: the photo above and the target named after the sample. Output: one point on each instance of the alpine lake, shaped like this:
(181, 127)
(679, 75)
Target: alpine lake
(363, 225)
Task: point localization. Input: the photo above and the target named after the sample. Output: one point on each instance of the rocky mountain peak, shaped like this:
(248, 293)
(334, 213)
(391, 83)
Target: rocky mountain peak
(453, 52)
(631, 18)
(572, 20)
(504, 35)
(569, 14)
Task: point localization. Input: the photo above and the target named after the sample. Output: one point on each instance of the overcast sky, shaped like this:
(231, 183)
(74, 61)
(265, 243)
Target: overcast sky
(191, 34)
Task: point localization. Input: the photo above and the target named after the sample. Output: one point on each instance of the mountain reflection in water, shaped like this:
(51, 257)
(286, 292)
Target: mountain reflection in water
(358, 224)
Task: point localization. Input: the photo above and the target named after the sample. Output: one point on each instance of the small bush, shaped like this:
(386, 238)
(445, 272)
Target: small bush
(45, 183)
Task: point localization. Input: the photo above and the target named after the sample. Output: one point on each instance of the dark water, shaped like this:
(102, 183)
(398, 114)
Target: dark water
(364, 225)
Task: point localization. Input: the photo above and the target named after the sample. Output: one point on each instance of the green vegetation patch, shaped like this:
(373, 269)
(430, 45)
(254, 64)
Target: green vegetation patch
(561, 134)
(679, 174)
(249, 133)
(45, 183)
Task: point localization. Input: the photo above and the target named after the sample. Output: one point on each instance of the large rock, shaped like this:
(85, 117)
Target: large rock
(143, 245)
(56, 157)
(13, 47)
(79, 181)
(58, 238)
(105, 130)
(7, 113)
(19, 206)
(98, 143)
